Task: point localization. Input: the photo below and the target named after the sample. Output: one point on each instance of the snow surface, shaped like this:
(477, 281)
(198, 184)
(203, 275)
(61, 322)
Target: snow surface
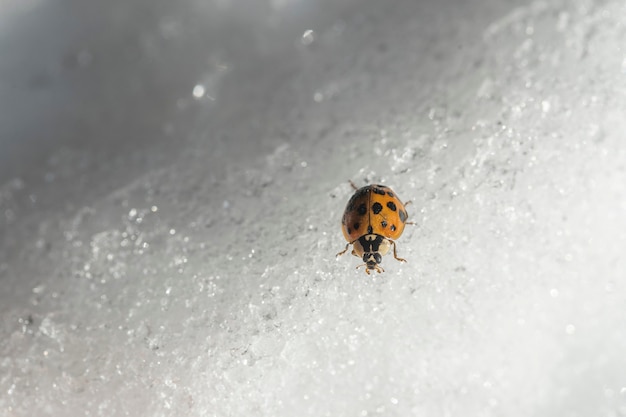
(173, 175)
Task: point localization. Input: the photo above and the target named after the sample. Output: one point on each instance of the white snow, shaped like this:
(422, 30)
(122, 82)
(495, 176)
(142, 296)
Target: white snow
(170, 208)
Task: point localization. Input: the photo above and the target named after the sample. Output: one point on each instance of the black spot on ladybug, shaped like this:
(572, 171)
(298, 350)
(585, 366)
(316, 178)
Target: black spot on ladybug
(390, 194)
(356, 225)
(391, 205)
(370, 230)
(379, 191)
(383, 224)
(393, 227)
(349, 230)
(362, 209)
(377, 208)
(403, 216)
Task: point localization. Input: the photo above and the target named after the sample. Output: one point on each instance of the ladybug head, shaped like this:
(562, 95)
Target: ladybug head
(371, 249)
(372, 259)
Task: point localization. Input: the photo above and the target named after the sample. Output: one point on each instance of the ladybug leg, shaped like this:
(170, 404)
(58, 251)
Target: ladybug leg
(379, 269)
(395, 254)
(353, 185)
(406, 204)
(344, 251)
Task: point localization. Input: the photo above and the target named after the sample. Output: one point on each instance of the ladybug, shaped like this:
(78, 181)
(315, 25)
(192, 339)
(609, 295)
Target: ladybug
(372, 220)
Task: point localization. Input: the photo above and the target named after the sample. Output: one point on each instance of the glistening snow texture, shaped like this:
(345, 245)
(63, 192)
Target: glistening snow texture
(202, 282)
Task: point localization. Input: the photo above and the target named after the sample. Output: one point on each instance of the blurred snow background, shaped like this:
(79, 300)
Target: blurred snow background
(172, 177)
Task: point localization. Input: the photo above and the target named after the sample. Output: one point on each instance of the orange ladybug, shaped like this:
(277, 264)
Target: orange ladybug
(372, 220)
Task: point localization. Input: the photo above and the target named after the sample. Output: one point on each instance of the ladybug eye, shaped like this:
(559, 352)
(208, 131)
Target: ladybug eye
(378, 258)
